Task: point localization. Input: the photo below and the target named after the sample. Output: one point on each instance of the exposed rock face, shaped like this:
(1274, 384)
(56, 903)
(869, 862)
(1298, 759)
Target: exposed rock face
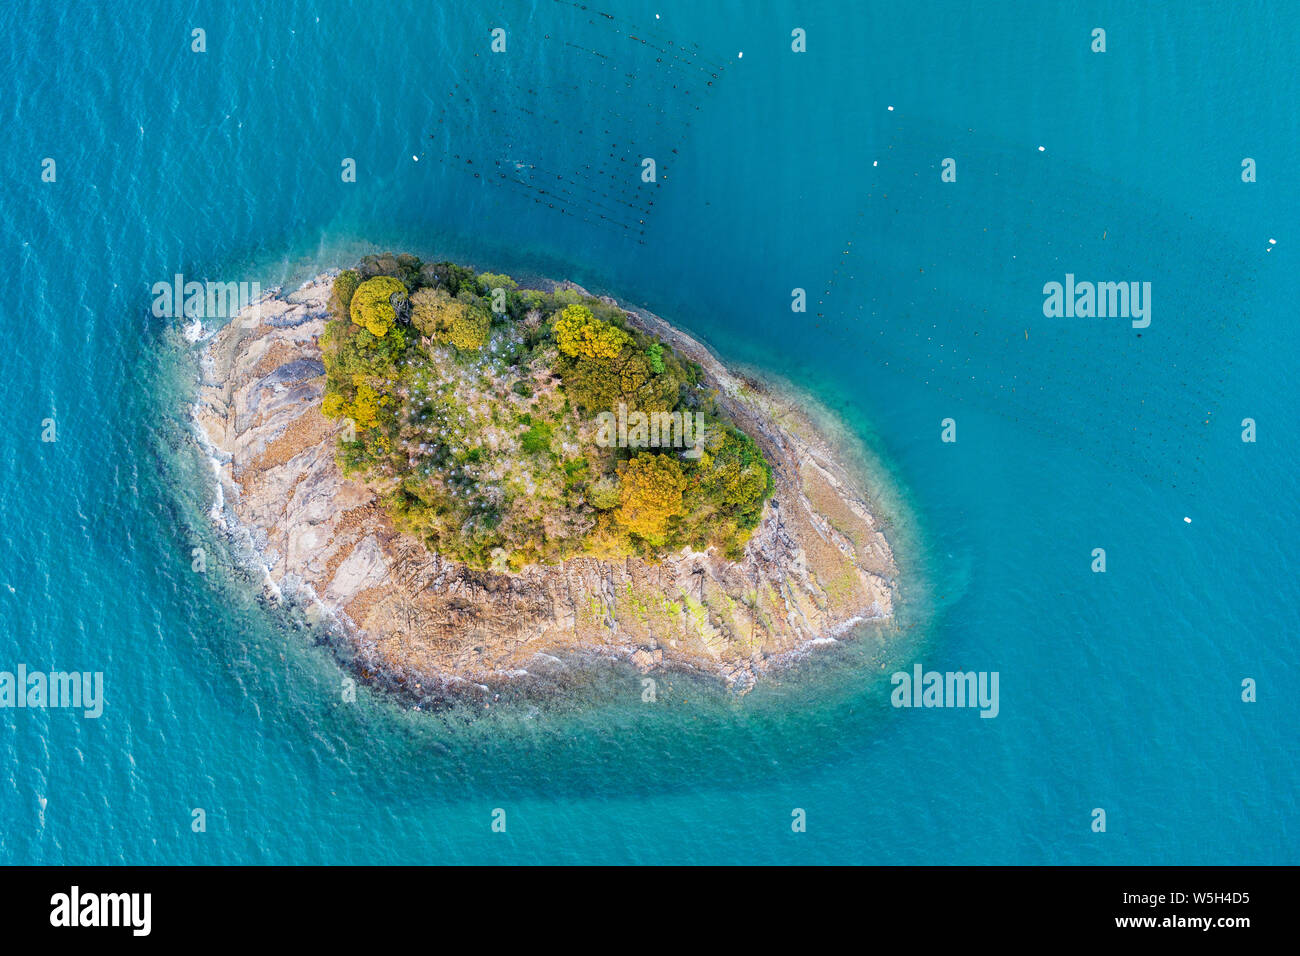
(816, 564)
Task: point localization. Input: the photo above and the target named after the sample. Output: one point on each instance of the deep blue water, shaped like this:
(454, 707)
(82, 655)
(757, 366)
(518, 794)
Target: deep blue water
(1119, 690)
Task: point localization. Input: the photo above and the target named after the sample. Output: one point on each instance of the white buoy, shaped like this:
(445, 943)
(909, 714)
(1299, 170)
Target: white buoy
(740, 55)
(1042, 149)
(1272, 242)
(875, 163)
(891, 109)
(1186, 519)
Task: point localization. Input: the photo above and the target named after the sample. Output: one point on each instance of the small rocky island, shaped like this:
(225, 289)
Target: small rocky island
(475, 479)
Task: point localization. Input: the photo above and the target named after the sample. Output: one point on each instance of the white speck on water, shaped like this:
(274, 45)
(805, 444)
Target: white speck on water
(1042, 149)
(1187, 519)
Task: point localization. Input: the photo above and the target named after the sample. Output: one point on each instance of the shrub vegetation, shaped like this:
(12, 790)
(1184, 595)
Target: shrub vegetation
(474, 402)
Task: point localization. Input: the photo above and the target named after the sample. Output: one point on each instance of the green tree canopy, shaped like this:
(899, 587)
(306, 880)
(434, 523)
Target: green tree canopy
(446, 320)
(345, 284)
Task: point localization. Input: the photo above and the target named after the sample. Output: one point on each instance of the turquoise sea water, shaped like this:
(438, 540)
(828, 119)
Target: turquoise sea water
(776, 170)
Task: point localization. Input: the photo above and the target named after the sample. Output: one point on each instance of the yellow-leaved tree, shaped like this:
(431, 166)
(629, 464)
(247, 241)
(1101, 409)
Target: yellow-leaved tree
(372, 304)
(650, 495)
(579, 334)
(469, 331)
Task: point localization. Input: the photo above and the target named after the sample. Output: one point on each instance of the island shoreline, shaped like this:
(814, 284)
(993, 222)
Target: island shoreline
(799, 453)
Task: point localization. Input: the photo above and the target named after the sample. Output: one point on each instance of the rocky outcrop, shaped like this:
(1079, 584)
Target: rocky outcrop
(816, 564)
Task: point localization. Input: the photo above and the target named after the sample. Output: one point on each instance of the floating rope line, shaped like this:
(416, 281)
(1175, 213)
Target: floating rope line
(605, 186)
